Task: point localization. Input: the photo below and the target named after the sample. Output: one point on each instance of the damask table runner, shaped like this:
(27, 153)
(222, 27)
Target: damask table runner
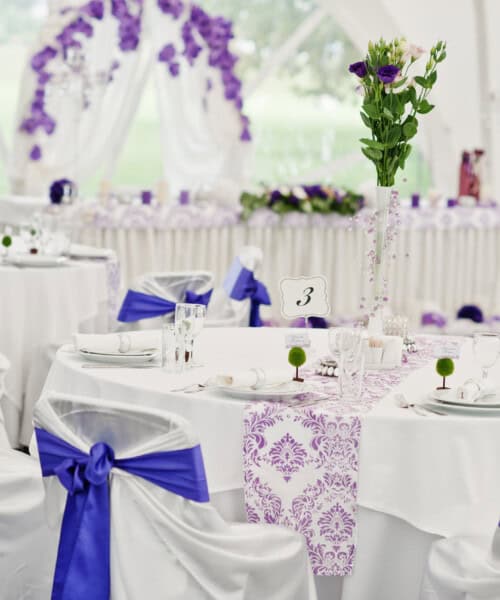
(301, 463)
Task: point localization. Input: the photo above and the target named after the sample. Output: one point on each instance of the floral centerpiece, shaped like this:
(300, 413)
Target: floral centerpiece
(393, 100)
(303, 198)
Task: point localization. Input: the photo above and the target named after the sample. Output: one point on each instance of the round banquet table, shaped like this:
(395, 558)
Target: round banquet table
(419, 476)
(40, 309)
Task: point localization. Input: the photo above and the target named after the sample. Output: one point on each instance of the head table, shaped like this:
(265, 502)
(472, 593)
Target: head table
(40, 308)
(412, 477)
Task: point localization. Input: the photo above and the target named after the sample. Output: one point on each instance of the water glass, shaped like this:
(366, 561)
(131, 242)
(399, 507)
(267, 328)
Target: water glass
(351, 374)
(169, 349)
(486, 350)
(189, 321)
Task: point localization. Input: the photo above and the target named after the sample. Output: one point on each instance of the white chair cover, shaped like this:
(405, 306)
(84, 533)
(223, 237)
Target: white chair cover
(223, 311)
(27, 547)
(164, 547)
(463, 568)
(4, 399)
(170, 286)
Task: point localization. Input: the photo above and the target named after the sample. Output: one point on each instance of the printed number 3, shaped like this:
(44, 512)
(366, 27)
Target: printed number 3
(307, 297)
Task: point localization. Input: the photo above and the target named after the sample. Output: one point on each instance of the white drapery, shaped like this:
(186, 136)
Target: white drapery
(200, 130)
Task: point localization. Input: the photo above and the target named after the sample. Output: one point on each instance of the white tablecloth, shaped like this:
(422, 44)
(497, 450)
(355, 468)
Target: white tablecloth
(437, 474)
(40, 308)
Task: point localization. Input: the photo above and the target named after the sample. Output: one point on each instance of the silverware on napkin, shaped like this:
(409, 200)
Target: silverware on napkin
(418, 409)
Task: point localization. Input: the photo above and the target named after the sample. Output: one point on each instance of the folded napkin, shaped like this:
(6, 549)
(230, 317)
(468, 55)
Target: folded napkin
(253, 378)
(117, 342)
(473, 390)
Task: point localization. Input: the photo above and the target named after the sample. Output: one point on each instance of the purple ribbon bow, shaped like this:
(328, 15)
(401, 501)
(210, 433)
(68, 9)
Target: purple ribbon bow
(83, 563)
(240, 284)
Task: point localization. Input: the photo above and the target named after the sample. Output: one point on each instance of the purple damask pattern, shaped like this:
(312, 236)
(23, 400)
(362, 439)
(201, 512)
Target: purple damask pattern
(301, 462)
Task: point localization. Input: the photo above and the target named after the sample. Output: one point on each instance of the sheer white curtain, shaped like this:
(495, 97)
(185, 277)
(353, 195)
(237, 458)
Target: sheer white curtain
(84, 140)
(200, 129)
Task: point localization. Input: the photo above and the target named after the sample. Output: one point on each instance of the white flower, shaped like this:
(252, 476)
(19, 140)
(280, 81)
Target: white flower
(284, 190)
(396, 90)
(412, 51)
(8, 230)
(299, 192)
(360, 90)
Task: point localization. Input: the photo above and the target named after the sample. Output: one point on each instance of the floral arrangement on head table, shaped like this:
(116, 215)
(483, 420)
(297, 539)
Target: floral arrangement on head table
(392, 100)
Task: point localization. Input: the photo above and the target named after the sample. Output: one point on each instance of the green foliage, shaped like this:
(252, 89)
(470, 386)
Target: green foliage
(296, 357)
(390, 109)
(6, 241)
(325, 201)
(445, 367)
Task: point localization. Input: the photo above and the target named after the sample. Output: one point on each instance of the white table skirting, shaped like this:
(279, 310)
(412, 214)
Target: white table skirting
(41, 308)
(423, 470)
(444, 257)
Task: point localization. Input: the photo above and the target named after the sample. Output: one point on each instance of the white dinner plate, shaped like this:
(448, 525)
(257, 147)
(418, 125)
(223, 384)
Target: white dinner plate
(453, 409)
(133, 357)
(35, 260)
(82, 251)
(490, 401)
(278, 392)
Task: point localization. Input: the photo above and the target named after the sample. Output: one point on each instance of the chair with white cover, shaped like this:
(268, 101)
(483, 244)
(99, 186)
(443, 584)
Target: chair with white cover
(4, 403)
(463, 568)
(27, 546)
(173, 287)
(163, 546)
(224, 310)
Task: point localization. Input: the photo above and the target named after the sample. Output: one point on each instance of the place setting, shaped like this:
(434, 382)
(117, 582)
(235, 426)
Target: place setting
(249, 300)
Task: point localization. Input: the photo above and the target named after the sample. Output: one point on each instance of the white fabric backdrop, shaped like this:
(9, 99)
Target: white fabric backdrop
(445, 268)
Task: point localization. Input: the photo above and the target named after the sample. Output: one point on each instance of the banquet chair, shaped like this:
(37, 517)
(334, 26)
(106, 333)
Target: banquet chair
(27, 546)
(463, 568)
(163, 545)
(4, 402)
(223, 310)
(171, 286)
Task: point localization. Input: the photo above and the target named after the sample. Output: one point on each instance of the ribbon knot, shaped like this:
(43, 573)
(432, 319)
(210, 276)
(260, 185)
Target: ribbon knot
(240, 284)
(100, 462)
(76, 474)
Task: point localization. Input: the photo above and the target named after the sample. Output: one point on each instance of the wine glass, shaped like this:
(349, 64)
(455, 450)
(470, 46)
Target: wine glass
(486, 350)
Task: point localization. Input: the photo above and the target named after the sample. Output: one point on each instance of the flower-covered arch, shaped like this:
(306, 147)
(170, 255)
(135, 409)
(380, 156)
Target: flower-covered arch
(107, 49)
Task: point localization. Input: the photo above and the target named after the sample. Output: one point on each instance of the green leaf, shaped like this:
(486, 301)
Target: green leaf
(372, 153)
(409, 130)
(399, 83)
(432, 78)
(442, 57)
(366, 119)
(424, 107)
(388, 114)
(373, 143)
(404, 155)
(413, 96)
(423, 82)
(393, 136)
(372, 110)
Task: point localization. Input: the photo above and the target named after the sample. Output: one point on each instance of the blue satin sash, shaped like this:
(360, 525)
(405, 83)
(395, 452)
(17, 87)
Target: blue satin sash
(137, 305)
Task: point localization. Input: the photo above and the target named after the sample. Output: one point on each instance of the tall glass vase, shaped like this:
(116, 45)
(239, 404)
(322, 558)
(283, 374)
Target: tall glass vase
(378, 268)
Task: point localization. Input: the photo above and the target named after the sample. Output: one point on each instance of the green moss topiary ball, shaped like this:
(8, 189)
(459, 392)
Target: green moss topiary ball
(445, 367)
(296, 356)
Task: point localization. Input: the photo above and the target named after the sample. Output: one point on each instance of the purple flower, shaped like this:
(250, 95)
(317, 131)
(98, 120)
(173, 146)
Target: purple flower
(36, 153)
(359, 69)
(174, 69)
(56, 190)
(388, 73)
(40, 60)
(94, 9)
(167, 53)
(315, 191)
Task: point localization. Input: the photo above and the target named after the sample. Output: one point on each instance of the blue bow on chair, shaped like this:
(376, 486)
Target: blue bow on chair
(83, 562)
(240, 284)
(137, 305)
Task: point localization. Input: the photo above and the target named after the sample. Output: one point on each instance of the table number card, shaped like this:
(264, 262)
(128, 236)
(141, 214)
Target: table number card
(304, 297)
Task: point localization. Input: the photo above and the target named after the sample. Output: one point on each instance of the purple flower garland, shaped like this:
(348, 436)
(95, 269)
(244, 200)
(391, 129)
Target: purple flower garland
(129, 36)
(216, 33)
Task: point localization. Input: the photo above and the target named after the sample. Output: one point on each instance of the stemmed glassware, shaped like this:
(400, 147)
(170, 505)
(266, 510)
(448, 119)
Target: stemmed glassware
(486, 350)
